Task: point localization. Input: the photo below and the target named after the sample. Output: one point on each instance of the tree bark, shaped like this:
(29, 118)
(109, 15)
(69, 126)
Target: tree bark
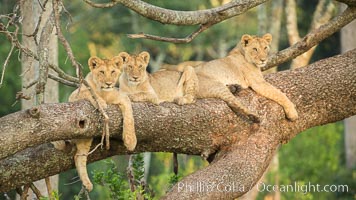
(348, 42)
(323, 92)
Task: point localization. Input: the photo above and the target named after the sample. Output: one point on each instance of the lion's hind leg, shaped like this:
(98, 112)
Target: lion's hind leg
(80, 159)
(189, 83)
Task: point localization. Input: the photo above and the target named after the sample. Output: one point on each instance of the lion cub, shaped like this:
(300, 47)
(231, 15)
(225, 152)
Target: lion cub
(102, 78)
(241, 67)
(161, 86)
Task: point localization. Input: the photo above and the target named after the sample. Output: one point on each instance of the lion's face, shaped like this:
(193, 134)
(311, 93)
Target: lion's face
(256, 48)
(135, 66)
(105, 72)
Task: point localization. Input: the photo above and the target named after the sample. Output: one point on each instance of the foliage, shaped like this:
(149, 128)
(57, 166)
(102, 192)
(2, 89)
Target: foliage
(54, 196)
(113, 180)
(321, 150)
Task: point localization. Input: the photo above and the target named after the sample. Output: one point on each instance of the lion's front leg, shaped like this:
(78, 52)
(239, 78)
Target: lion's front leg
(128, 134)
(269, 91)
(144, 96)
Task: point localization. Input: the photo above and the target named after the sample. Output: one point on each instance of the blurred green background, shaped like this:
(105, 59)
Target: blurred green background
(316, 156)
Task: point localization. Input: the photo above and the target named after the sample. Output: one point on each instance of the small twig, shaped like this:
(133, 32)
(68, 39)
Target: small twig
(85, 192)
(187, 39)
(6, 63)
(130, 175)
(30, 84)
(20, 95)
(75, 181)
(39, 3)
(69, 16)
(64, 75)
(63, 81)
(24, 193)
(49, 187)
(96, 147)
(101, 5)
(36, 191)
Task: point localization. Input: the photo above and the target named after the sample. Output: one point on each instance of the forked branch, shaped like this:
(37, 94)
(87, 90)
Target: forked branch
(312, 38)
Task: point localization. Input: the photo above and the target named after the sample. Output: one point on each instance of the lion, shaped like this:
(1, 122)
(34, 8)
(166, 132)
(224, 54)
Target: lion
(102, 78)
(161, 86)
(242, 68)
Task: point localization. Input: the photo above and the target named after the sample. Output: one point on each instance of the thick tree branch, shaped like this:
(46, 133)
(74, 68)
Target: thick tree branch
(167, 16)
(312, 38)
(323, 92)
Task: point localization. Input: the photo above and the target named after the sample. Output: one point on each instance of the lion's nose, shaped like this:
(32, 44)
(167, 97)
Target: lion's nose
(135, 77)
(263, 59)
(108, 83)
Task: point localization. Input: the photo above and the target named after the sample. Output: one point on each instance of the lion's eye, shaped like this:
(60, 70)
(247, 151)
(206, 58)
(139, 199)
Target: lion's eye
(113, 71)
(266, 48)
(130, 66)
(140, 66)
(102, 72)
(255, 49)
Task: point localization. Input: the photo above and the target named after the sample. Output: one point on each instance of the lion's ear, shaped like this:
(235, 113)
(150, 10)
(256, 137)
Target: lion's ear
(267, 37)
(125, 57)
(93, 62)
(118, 62)
(245, 39)
(145, 56)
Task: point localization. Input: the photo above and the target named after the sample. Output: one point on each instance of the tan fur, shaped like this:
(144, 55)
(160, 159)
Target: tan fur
(241, 67)
(161, 86)
(102, 78)
(181, 66)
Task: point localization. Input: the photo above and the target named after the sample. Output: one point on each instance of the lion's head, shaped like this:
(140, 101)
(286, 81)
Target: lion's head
(105, 72)
(135, 66)
(256, 49)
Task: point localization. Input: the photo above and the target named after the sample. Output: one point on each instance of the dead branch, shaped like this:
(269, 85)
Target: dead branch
(312, 38)
(187, 39)
(63, 81)
(6, 63)
(66, 45)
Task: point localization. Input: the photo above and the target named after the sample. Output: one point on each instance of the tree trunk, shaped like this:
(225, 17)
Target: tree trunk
(323, 92)
(31, 12)
(348, 42)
